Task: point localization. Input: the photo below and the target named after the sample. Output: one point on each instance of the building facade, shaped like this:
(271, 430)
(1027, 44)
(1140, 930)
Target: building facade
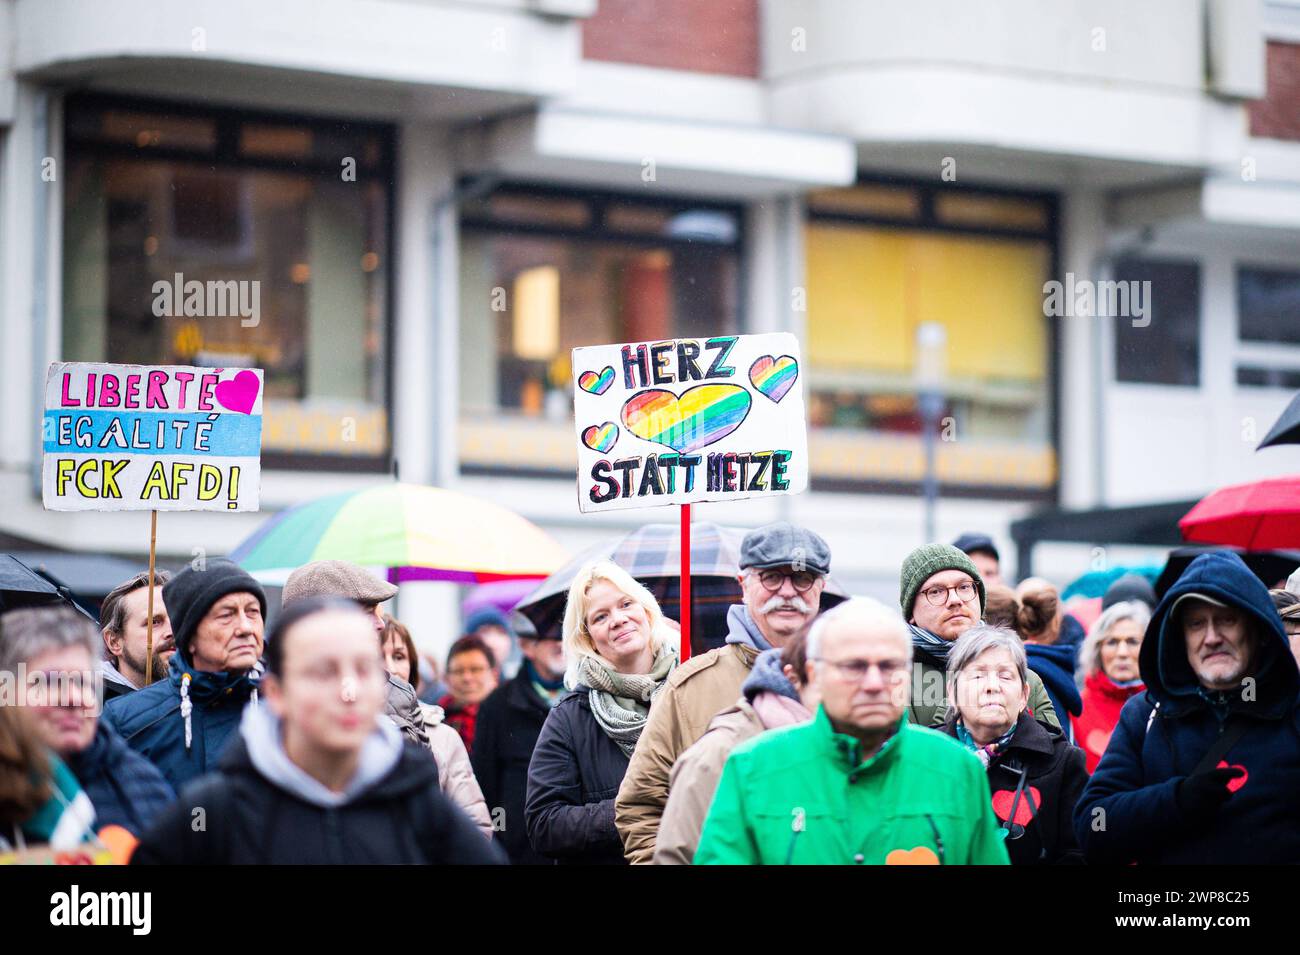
(436, 200)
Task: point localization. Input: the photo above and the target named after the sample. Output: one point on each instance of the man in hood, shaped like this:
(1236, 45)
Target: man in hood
(942, 596)
(1204, 766)
(316, 775)
(783, 570)
(124, 619)
(182, 723)
(338, 578)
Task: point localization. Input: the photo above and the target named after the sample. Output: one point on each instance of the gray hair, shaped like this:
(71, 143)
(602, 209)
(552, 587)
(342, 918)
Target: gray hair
(28, 632)
(1090, 650)
(972, 644)
(865, 610)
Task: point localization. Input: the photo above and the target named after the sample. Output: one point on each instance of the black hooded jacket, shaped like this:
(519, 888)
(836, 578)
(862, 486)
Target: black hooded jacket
(238, 816)
(1130, 810)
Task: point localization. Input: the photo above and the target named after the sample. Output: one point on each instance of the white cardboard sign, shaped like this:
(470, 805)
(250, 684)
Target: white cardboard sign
(692, 419)
(151, 437)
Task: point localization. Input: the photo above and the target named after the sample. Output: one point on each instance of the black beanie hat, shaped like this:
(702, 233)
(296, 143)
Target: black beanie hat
(190, 594)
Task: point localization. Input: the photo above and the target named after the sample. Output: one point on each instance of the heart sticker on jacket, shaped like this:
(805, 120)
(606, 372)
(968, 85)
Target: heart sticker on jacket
(1003, 798)
(774, 376)
(1234, 784)
(921, 855)
(702, 415)
(1097, 741)
(596, 383)
(239, 393)
(600, 437)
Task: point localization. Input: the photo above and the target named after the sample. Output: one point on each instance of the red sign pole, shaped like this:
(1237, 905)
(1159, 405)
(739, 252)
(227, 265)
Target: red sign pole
(685, 589)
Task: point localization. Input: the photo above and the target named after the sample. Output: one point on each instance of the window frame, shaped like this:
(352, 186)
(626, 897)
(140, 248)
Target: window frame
(226, 155)
(481, 226)
(928, 221)
(1252, 354)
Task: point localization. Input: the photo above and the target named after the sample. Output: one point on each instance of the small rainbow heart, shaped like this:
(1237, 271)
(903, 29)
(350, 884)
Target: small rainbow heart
(596, 384)
(600, 437)
(702, 415)
(774, 376)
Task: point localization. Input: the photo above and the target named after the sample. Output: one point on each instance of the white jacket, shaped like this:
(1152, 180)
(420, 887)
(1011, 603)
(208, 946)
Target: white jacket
(455, 775)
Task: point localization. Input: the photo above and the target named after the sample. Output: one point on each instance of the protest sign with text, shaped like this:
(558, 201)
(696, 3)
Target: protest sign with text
(702, 419)
(151, 437)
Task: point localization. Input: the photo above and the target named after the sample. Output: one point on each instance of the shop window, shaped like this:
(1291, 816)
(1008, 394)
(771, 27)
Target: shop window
(872, 284)
(603, 269)
(290, 254)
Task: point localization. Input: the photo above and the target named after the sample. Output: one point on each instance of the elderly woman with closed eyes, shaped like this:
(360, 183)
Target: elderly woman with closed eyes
(1035, 775)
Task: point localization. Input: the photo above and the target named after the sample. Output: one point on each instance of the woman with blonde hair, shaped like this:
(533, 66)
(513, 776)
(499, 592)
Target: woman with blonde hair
(621, 652)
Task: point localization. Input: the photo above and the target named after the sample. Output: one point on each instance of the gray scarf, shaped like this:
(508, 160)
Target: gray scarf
(620, 702)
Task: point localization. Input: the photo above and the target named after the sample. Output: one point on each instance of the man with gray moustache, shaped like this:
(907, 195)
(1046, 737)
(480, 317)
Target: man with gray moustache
(783, 571)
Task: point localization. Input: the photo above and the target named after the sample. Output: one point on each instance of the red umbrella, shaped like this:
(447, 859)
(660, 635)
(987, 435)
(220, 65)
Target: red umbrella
(1264, 515)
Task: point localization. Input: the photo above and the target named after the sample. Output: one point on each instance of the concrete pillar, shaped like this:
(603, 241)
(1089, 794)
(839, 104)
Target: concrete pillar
(1081, 394)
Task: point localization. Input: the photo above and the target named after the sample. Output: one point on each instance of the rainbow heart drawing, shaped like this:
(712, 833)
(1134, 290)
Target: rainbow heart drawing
(600, 437)
(594, 383)
(702, 415)
(774, 376)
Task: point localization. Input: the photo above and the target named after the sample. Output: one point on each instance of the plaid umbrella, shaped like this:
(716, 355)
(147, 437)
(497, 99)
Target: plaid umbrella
(652, 554)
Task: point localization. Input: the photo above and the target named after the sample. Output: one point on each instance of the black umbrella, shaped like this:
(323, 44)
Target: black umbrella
(651, 555)
(1270, 566)
(20, 586)
(1286, 429)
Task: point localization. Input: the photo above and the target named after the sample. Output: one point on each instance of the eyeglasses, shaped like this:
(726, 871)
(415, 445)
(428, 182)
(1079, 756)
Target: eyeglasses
(854, 671)
(937, 595)
(469, 671)
(802, 580)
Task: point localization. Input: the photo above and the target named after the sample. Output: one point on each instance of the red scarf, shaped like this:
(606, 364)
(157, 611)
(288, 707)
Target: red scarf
(1102, 701)
(460, 718)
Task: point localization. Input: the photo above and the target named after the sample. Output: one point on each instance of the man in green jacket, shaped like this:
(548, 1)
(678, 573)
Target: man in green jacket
(859, 784)
(937, 590)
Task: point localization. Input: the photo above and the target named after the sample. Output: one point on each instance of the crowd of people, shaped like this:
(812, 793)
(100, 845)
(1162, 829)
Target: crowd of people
(971, 723)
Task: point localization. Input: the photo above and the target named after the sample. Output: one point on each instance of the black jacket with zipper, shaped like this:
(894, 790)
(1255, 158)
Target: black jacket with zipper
(1042, 775)
(573, 778)
(238, 816)
(509, 722)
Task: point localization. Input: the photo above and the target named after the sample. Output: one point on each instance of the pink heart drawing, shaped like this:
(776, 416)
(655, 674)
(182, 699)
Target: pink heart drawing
(1097, 741)
(239, 393)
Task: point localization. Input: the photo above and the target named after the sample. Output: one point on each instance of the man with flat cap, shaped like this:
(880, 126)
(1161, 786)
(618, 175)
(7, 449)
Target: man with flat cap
(339, 578)
(783, 570)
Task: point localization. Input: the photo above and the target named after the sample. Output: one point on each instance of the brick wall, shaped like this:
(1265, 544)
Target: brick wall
(704, 36)
(1277, 115)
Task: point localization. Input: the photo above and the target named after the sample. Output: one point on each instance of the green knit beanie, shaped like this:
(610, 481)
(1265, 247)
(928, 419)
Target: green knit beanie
(923, 563)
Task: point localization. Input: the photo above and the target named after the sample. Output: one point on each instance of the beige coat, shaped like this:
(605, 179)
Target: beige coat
(455, 775)
(696, 692)
(694, 779)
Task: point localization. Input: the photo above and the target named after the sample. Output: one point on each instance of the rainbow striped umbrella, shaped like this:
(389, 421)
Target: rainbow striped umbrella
(417, 532)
